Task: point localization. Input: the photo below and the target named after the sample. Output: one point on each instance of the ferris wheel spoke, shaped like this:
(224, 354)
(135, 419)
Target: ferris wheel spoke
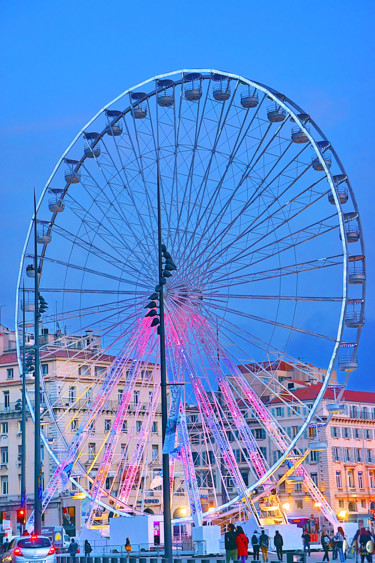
(270, 349)
(143, 238)
(219, 235)
(253, 227)
(248, 169)
(107, 235)
(91, 271)
(225, 297)
(311, 232)
(203, 185)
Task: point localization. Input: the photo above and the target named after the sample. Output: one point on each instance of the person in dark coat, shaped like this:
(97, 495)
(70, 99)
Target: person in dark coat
(326, 541)
(242, 542)
(364, 537)
(255, 544)
(73, 548)
(306, 542)
(230, 544)
(278, 543)
(264, 542)
(88, 548)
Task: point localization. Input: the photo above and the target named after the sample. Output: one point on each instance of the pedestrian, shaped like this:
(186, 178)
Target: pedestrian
(306, 542)
(325, 545)
(128, 546)
(278, 543)
(255, 544)
(5, 546)
(242, 542)
(73, 548)
(264, 542)
(88, 548)
(365, 536)
(355, 544)
(339, 539)
(230, 544)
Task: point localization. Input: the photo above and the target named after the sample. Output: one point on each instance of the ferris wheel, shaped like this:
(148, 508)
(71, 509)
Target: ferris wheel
(263, 266)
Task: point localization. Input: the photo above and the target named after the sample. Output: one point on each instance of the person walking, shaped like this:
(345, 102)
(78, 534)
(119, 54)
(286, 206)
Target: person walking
(264, 542)
(339, 539)
(128, 546)
(230, 544)
(306, 542)
(242, 542)
(73, 548)
(325, 545)
(88, 548)
(255, 544)
(278, 543)
(365, 536)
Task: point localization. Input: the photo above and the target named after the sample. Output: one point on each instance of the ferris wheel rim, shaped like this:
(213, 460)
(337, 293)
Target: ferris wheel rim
(268, 91)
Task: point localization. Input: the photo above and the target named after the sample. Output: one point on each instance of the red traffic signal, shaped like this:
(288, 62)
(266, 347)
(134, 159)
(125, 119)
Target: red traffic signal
(21, 516)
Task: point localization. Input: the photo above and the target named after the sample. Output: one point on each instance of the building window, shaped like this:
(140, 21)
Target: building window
(347, 454)
(4, 485)
(92, 428)
(336, 454)
(91, 451)
(335, 432)
(368, 434)
(44, 369)
(6, 400)
(138, 425)
(341, 503)
(136, 397)
(99, 370)
(363, 503)
(107, 425)
(4, 428)
(314, 478)
(350, 476)
(263, 451)
(345, 433)
(365, 413)
(155, 452)
(280, 411)
(295, 430)
(125, 426)
(352, 507)
(108, 483)
(298, 487)
(84, 371)
(154, 427)
(119, 395)
(299, 504)
(260, 434)
(369, 456)
(356, 433)
(311, 432)
(338, 480)
(4, 455)
(360, 479)
(74, 424)
(353, 411)
(371, 479)
(358, 456)
(314, 457)
(10, 373)
(72, 395)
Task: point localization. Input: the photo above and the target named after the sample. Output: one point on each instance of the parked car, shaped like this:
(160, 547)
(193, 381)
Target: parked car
(28, 549)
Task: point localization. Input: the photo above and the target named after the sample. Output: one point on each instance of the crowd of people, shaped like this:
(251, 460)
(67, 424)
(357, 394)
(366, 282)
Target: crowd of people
(361, 547)
(237, 545)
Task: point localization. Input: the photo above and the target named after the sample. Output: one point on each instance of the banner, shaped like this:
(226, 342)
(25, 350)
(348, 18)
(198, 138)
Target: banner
(174, 413)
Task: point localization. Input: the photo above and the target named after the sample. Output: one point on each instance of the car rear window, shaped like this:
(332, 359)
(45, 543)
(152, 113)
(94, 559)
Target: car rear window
(30, 543)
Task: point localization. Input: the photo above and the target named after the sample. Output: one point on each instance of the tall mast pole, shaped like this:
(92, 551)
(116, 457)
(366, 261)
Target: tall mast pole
(23, 419)
(37, 460)
(164, 398)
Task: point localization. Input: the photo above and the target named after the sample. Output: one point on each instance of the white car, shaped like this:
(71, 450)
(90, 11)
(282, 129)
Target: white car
(30, 549)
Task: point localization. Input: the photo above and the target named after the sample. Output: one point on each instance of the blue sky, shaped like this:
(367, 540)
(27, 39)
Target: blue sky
(61, 62)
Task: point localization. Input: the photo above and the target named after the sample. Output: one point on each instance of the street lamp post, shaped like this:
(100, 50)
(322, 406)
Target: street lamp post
(164, 399)
(23, 415)
(37, 457)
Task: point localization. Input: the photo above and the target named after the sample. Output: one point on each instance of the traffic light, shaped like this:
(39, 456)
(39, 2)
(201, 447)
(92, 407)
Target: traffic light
(21, 516)
(30, 362)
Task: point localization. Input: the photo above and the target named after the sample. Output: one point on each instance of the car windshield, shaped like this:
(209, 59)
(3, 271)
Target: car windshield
(33, 543)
